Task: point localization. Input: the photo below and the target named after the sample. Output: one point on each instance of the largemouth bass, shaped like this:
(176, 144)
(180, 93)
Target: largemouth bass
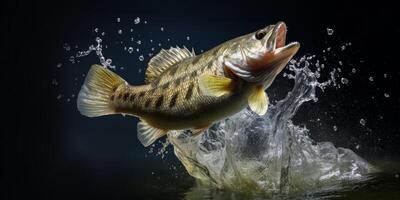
(188, 91)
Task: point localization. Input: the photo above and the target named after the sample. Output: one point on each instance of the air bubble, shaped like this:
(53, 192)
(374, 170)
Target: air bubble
(141, 57)
(344, 81)
(363, 122)
(136, 20)
(329, 31)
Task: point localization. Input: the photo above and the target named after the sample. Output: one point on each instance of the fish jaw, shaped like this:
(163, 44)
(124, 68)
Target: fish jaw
(276, 54)
(260, 64)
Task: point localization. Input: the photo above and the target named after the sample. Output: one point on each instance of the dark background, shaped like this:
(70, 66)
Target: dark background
(49, 150)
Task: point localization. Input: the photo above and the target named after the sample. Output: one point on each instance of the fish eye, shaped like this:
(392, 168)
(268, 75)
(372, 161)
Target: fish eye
(260, 34)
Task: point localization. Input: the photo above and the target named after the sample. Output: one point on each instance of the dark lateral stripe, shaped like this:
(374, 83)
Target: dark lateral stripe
(126, 95)
(147, 104)
(141, 94)
(173, 100)
(165, 86)
(189, 92)
(173, 70)
(159, 101)
(193, 75)
(132, 97)
(112, 98)
(156, 82)
(210, 64)
(177, 81)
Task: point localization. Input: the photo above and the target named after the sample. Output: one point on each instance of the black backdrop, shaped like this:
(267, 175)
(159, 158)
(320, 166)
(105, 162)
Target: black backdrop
(35, 157)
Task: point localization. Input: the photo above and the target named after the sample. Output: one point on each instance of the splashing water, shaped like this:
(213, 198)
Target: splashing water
(265, 153)
(268, 153)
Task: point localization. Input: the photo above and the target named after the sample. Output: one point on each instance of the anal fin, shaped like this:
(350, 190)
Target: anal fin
(147, 134)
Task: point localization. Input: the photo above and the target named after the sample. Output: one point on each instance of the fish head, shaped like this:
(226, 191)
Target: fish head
(259, 56)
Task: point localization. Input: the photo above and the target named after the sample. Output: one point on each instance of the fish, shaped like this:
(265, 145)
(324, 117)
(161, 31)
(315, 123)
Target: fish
(185, 91)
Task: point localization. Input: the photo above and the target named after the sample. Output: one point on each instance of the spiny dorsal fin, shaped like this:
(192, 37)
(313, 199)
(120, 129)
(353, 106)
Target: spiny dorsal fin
(164, 60)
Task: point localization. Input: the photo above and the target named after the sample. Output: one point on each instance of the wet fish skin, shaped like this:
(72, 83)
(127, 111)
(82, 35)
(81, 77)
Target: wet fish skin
(185, 91)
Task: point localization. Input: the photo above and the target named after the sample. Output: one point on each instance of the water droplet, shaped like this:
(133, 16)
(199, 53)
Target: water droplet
(371, 78)
(139, 42)
(96, 30)
(335, 128)
(54, 82)
(118, 19)
(145, 22)
(358, 146)
(396, 175)
(72, 59)
(344, 81)
(103, 33)
(151, 40)
(98, 40)
(59, 96)
(108, 61)
(343, 47)
(162, 28)
(140, 70)
(136, 20)
(384, 75)
(187, 38)
(386, 95)
(329, 31)
(353, 70)
(137, 49)
(340, 62)
(120, 31)
(363, 122)
(59, 65)
(130, 50)
(141, 57)
(67, 47)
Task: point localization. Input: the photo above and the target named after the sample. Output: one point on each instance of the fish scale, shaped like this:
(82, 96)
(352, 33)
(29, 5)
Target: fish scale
(185, 91)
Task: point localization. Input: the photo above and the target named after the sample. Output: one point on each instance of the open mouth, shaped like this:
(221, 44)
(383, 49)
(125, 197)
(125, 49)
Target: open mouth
(278, 53)
(276, 44)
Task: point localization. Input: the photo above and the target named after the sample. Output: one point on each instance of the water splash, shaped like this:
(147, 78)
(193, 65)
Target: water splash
(269, 153)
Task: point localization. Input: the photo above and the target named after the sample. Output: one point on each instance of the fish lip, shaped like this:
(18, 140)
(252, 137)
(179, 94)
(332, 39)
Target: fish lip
(278, 52)
(277, 38)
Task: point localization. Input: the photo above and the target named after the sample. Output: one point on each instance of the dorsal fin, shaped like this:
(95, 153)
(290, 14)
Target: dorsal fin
(164, 60)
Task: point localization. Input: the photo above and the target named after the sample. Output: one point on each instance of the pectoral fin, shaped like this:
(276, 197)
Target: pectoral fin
(258, 100)
(215, 85)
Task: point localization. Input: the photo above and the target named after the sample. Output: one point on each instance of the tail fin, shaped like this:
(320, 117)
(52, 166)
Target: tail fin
(94, 97)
